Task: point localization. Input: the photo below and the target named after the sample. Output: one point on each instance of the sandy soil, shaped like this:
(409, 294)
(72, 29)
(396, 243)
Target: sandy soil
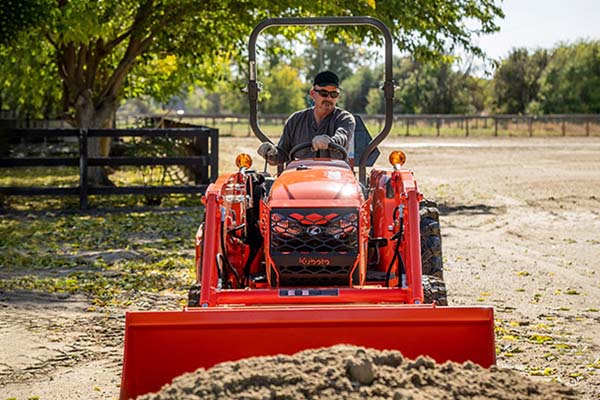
(349, 372)
(521, 231)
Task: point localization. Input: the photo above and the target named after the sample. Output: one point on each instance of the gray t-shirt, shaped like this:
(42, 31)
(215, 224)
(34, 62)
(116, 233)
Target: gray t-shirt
(301, 127)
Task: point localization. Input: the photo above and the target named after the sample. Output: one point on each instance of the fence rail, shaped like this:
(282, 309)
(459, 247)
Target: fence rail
(207, 162)
(500, 123)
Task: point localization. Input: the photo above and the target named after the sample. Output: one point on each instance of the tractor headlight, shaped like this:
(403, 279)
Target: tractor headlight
(243, 160)
(397, 157)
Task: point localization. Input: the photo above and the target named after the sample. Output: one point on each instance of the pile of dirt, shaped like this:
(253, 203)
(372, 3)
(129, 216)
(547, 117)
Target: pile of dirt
(343, 372)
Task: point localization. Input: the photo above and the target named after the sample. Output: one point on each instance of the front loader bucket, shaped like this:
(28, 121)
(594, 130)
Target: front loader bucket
(162, 345)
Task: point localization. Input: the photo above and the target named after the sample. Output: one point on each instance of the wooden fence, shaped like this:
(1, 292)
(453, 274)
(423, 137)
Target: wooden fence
(207, 162)
(404, 124)
(501, 124)
(420, 124)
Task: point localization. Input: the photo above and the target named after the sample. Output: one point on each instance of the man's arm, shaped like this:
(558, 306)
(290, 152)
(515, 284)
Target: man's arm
(344, 129)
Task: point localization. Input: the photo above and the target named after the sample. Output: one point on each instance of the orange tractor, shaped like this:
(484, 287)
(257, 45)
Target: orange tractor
(312, 258)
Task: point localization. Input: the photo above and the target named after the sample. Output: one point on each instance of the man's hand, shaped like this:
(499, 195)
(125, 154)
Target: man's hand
(321, 142)
(267, 151)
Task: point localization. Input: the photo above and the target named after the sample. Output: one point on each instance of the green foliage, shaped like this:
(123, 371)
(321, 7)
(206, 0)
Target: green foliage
(444, 90)
(571, 81)
(28, 78)
(284, 91)
(106, 51)
(516, 82)
(375, 102)
(436, 88)
(559, 81)
(17, 16)
(563, 80)
(357, 87)
(222, 97)
(337, 56)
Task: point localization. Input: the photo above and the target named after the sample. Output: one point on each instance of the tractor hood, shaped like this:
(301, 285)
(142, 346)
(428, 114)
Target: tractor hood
(324, 181)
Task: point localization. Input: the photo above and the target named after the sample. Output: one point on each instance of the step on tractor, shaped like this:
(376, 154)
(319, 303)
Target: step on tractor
(312, 257)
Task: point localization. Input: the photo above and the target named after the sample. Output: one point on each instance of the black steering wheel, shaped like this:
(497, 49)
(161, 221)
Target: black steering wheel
(331, 146)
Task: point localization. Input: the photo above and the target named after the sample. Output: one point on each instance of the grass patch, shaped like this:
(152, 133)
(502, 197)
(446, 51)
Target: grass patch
(107, 256)
(40, 176)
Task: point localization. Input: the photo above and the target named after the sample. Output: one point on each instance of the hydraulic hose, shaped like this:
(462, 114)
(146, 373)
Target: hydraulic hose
(224, 255)
(398, 237)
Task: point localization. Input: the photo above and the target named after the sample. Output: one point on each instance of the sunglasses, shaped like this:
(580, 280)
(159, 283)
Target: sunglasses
(326, 93)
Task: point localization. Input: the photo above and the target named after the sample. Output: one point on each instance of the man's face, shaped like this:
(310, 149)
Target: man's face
(322, 95)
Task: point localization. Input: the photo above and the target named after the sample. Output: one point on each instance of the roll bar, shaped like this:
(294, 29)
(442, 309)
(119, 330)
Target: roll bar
(388, 84)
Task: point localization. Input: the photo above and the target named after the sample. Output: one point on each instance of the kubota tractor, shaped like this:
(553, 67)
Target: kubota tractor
(311, 258)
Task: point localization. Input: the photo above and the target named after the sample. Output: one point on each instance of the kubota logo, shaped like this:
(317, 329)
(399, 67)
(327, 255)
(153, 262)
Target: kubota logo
(313, 261)
(314, 230)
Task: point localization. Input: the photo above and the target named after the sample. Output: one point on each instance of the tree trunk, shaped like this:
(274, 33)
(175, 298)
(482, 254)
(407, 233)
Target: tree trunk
(89, 117)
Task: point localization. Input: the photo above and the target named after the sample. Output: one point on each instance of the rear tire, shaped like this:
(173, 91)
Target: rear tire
(434, 291)
(431, 240)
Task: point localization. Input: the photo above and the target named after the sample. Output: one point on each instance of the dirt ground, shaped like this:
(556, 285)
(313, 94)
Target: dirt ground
(521, 231)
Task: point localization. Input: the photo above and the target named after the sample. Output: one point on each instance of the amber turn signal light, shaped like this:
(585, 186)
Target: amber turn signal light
(243, 160)
(397, 157)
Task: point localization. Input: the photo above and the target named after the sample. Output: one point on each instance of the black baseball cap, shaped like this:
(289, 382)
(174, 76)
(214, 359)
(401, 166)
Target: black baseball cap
(327, 78)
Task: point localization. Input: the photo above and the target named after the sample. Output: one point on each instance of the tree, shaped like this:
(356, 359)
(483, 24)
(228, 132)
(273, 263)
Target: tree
(439, 87)
(447, 90)
(375, 102)
(407, 74)
(516, 82)
(356, 89)
(284, 91)
(570, 82)
(337, 56)
(480, 90)
(103, 52)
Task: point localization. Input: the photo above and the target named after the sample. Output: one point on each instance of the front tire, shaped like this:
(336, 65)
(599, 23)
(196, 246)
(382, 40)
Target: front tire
(194, 295)
(431, 240)
(434, 288)
(434, 291)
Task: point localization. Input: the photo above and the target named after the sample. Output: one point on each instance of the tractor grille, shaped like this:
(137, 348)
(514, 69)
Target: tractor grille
(322, 231)
(314, 247)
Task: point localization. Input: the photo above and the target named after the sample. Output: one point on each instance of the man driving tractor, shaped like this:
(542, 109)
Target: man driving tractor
(321, 124)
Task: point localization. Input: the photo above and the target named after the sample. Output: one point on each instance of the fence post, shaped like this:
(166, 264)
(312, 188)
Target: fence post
(530, 127)
(564, 128)
(214, 154)
(495, 126)
(83, 168)
(407, 126)
(438, 122)
(587, 127)
(466, 125)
